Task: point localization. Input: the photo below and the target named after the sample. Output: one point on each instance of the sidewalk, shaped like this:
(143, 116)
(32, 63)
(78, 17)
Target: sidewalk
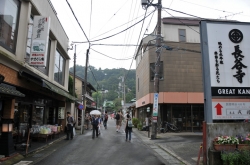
(20, 155)
(183, 147)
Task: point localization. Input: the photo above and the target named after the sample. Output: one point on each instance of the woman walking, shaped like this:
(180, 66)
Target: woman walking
(128, 128)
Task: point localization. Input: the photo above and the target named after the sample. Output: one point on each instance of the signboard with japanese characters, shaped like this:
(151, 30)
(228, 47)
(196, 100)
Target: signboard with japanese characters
(40, 36)
(155, 106)
(226, 68)
(229, 58)
(231, 110)
(61, 111)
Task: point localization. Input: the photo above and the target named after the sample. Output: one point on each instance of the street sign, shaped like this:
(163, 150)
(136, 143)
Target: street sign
(80, 107)
(230, 110)
(155, 107)
(154, 119)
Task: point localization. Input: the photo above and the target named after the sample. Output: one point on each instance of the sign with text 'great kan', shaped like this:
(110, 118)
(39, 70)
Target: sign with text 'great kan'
(229, 59)
(230, 110)
(40, 37)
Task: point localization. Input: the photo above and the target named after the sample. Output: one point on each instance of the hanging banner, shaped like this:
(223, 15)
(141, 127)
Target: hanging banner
(40, 37)
(155, 106)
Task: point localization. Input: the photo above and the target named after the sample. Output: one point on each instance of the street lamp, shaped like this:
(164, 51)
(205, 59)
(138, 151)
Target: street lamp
(7, 145)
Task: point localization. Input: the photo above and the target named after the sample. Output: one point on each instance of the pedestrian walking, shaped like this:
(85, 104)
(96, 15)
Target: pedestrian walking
(95, 125)
(128, 128)
(117, 117)
(87, 118)
(106, 117)
(70, 124)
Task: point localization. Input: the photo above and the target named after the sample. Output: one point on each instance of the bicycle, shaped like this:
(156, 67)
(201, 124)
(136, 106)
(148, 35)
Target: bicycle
(170, 127)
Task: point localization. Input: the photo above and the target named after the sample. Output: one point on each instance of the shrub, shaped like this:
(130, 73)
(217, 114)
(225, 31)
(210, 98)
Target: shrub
(139, 126)
(135, 122)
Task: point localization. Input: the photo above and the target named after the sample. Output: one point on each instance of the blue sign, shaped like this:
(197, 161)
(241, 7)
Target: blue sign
(80, 106)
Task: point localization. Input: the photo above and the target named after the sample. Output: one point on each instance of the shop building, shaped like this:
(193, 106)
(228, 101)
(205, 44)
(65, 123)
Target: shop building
(90, 103)
(32, 95)
(180, 86)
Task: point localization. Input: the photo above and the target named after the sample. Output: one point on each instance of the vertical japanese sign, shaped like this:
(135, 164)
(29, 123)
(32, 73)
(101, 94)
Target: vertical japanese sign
(155, 107)
(226, 66)
(40, 37)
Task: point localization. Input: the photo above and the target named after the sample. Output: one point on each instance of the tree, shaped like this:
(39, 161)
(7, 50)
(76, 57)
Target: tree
(117, 104)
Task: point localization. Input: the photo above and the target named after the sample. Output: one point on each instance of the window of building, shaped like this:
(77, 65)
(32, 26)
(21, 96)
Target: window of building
(59, 69)
(182, 35)
(152, 70)
(9, 10)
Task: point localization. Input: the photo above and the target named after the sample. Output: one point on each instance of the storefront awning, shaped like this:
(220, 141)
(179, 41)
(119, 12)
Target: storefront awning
(10, 90)
(57, 90)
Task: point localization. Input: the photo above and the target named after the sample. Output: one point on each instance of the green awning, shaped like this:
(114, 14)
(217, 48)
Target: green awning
(10, 90)
(57, 90)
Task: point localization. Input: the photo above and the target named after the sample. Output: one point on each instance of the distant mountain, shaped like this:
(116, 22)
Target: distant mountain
(109, 79)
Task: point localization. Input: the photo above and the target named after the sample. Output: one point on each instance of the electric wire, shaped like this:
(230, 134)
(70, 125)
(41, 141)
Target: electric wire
(118, 32)
(111, 18)
(207, 7)
(93, 76)
(109, 56)
(182, 22)
(118, 26)
(78, 22)
(136, 47)
(114, 44)
(183, 13)
(90, 19)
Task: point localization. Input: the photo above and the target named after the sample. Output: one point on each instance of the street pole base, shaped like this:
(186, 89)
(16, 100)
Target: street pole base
(153, 137)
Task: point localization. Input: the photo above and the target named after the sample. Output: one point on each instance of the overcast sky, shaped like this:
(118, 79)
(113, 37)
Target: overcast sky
(109, 17)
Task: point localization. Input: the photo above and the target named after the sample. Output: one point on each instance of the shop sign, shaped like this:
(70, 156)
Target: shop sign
(61, 112)
(229, 58)
(40, 36)
(155, 106)
(230, 110)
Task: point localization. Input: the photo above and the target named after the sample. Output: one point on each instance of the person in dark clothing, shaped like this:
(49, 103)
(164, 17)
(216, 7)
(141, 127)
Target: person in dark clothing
(106, 116)
(128, 128)
(95, 124)
(70, 123)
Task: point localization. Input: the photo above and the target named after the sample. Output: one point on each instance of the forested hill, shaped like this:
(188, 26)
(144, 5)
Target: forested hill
(109, 79)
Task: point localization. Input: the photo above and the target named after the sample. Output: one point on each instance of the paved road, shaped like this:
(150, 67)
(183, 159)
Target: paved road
(110, 148)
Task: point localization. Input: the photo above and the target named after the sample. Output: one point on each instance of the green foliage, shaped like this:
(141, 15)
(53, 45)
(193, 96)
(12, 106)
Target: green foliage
(139, 126)
(236, 157)
(135, 122)
(70, 87)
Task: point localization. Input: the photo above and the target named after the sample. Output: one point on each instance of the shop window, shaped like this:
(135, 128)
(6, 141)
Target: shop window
(44, 70)
(59, 69)
(9, 10)
(182, 35)
(152, 70)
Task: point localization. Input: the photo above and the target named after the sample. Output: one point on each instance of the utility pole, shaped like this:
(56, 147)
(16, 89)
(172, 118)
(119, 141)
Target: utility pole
(74, 73)
(157, 64)
(85, 91)
(145, 4)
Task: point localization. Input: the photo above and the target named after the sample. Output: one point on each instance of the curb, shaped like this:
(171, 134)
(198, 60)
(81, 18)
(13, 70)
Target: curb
(165, 149)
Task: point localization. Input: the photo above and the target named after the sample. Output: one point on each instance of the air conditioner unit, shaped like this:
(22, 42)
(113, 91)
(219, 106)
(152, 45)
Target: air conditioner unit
(144, 2)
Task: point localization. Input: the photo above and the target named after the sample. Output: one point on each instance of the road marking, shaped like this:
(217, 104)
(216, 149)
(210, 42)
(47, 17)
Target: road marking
(23, 162)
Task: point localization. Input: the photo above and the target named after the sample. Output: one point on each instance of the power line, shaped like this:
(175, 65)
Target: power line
(94, 76)
(118, 26)
(115, 44)
(207, 7)
(111, 18)
(120, 31)
(136, 47)
(182, 22)
(78, 22)
(183, 13)
(109, 56)
(90, 18)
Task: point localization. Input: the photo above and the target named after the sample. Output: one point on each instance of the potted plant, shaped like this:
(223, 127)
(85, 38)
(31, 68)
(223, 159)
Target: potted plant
(244, 142)
(225, 143)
